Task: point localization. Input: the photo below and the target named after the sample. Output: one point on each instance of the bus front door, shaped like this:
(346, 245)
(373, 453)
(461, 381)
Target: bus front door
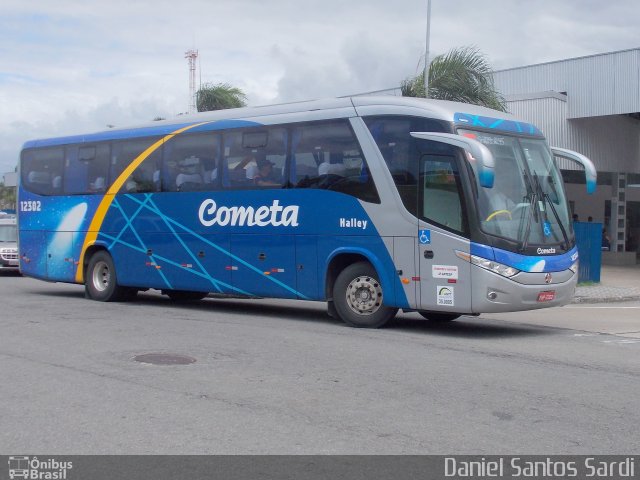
(445, 278)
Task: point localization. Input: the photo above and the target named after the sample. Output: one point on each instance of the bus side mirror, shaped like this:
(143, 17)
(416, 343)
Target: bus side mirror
(589, 168)
(477, 154)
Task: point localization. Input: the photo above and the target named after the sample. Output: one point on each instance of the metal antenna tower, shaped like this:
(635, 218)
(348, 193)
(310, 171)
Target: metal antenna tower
(192, 55)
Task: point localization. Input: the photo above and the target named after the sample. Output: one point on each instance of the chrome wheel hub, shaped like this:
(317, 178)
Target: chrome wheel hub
(101, 276)
(364, 295)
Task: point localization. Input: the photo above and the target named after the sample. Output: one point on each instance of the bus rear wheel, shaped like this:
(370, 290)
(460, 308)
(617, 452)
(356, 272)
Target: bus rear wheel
(358, 297)
(101, 282)
(438, 316)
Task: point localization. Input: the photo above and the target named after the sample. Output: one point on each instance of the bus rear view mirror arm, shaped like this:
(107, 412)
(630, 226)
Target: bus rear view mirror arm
(589, 167)
(478, 155)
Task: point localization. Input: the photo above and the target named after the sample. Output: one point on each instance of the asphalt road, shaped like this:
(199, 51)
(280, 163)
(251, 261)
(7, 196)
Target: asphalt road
(276, 377)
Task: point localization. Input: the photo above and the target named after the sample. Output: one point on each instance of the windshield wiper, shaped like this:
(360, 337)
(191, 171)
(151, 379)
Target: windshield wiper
(532, 197)
(555, 214)
(547, 201)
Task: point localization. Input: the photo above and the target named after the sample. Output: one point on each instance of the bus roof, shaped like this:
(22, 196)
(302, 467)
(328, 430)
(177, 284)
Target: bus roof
(327, 108)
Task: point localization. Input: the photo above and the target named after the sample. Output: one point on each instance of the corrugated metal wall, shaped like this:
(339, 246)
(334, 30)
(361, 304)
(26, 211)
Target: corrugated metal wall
(590, 118)
(612, 142)
(607, 84)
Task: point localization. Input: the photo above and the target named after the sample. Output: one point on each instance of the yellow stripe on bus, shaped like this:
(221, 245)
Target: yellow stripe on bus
(101, 212)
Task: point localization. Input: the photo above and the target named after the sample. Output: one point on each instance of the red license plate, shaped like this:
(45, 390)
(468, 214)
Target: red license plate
(546, 296)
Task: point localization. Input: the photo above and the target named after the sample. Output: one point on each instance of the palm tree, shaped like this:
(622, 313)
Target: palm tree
(461, 75)
(219, 96)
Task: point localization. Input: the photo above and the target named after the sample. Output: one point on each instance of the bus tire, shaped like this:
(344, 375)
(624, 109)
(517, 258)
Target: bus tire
(438, 316)
(358, 297)
(185, 295)
(101, 282)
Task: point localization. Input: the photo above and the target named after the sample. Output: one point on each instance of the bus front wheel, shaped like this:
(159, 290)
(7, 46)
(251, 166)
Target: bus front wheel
(101, 282)
(358, 297)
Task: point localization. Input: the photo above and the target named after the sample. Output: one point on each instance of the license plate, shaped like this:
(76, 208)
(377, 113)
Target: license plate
(546, 296)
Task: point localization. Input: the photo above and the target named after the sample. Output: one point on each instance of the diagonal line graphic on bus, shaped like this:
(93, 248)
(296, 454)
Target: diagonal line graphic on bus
(220, 249)
(203, 270)
(170, 262)
(143, 249)
(128, 224)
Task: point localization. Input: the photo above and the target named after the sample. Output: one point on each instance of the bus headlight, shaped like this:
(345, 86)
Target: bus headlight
(490, 265)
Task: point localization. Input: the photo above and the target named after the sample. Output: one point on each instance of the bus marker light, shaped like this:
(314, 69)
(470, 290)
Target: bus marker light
(452, 280)
(415, 279)
(406, 281)
(231, 267)
(277, 270)
(267, 273)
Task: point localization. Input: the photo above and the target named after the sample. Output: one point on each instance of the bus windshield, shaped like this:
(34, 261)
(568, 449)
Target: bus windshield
(527, 203)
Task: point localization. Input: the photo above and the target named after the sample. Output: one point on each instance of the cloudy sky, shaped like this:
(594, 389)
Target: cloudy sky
(76, 66)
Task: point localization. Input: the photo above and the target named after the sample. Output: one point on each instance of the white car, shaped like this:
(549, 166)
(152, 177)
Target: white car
(8, 243)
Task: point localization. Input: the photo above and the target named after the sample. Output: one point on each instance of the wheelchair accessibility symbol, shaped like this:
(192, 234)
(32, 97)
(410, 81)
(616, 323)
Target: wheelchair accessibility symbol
(547, 229)
(425, 236)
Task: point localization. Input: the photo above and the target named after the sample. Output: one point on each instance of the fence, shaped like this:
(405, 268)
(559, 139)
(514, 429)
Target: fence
(589, 241)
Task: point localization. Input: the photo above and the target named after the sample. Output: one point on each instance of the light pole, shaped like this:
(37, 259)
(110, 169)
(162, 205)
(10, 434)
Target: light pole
(426, 55)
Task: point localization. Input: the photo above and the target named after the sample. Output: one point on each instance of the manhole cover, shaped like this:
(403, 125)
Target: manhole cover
(164, 359)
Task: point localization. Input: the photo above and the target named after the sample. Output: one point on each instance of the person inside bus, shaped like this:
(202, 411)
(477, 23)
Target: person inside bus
(264, 175)
(189, 177)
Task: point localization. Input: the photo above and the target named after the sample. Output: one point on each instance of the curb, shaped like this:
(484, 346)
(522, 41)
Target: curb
(589, 299)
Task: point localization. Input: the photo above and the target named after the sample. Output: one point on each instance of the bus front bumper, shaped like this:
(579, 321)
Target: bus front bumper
(493, 293)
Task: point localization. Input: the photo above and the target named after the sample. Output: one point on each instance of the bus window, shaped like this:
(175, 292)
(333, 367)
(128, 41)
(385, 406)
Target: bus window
(441, 193)
(254, 159)
(145, 178)
(42, 170)
(191, 162)
(327, 155)
(86, 169)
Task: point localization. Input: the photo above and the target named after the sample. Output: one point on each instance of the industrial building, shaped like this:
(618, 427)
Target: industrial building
(590, 105)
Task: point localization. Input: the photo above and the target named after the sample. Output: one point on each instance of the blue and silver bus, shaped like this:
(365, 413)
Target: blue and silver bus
(371, 204)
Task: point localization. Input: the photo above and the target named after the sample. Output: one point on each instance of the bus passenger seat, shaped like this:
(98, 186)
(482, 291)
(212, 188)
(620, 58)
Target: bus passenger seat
(98, 185)
(188, 181)
(56, 183)
(251, 171)
(326, 168)
(157, 183)
(40, 178)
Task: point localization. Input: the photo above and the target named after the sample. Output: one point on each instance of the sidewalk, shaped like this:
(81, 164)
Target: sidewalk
(617, 284)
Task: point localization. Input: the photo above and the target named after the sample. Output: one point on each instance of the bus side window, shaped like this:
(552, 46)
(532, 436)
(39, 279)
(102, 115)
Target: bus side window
(191, 162)
(142, 178)
(254, 158)
(441, 193)
(339, 163)
(42, 170)
(86, 169)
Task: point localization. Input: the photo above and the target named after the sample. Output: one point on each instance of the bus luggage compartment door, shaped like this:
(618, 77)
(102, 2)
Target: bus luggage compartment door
(264, 265)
